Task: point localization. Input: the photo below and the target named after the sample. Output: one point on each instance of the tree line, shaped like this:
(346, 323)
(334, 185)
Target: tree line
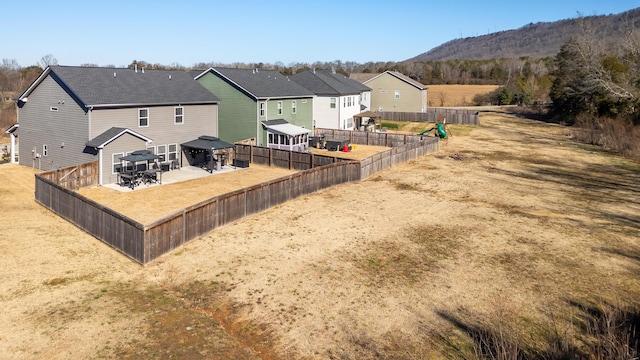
(587, 77)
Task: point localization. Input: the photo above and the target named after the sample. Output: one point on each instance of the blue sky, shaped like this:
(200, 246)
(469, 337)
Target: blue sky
(187, 32)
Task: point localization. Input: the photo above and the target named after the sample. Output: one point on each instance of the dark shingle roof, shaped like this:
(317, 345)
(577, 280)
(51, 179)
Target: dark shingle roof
(95, 86)
(262, 84)
(110, 135)
(351, 82)
(324, 82)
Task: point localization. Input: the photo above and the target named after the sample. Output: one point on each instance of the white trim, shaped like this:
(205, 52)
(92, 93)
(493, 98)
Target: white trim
(141, 117)
(175, 116)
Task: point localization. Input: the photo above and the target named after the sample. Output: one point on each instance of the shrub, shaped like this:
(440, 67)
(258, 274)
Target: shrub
(616, 135)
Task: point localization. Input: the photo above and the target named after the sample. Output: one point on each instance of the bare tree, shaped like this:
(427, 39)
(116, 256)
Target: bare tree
(442, 97)
(47, 60)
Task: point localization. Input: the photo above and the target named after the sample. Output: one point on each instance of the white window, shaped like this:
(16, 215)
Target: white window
(333, 103)
(53, 108)
(173, 152)
(178, 115)
(143, 117)
(151, 149)
(344, 102)
(45, 150)
(279, 107)
(116, 163)
(162, 152)
(397, 94)
(293, 106)
(262, 108)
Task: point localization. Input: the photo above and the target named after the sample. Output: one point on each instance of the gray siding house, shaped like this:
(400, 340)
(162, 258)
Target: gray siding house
(74, 115)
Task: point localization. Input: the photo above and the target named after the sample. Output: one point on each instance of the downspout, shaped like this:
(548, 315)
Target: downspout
(100, 166)
(100, 161)
(266, 117)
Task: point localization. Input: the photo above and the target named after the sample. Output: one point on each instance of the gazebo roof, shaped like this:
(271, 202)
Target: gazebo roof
(207, 143)
(369, 114)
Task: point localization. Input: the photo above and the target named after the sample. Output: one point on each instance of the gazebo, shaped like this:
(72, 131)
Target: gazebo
(373, 117)
(207, 152)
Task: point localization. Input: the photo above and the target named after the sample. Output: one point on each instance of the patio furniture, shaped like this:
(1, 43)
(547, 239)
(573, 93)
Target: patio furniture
(128, 179)
(151, 176)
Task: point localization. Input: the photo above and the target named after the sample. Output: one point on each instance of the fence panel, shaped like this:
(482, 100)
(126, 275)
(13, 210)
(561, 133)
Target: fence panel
(201, 219)
(453, 116)
(258, 198)
(232, 207)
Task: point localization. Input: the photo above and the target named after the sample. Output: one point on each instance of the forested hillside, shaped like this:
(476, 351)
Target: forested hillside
(537, 40)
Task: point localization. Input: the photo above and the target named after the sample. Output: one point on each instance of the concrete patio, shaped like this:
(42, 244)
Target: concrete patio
(175, 176)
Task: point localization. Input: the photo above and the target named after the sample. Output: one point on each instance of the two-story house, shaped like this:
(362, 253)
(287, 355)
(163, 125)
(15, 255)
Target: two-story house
(393, 91)
(251, 99)
(338, 98)
(73, 115)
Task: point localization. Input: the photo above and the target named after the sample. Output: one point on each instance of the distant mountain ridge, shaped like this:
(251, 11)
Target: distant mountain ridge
(537, 40)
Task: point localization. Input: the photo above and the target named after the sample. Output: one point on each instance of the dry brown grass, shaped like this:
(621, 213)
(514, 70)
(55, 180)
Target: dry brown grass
(509, 239)
(456, 95)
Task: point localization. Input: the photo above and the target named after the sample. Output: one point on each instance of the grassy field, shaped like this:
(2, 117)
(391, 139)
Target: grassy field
(456, 95)
(512, 240)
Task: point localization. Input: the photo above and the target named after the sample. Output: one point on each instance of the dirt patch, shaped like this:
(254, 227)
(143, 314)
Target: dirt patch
(512, 227)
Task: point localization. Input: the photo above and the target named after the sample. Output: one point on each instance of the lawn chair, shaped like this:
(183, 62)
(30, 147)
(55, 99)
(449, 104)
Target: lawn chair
(175, 164)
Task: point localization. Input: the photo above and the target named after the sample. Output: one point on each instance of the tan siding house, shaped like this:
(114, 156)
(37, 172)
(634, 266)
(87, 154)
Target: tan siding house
(393, 91)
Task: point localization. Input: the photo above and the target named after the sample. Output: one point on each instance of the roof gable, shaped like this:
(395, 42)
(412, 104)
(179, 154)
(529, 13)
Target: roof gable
(110, 135)
(400, 77)
(109, 87)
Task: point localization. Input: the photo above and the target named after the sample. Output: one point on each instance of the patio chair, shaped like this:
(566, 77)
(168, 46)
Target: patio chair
(175, 164)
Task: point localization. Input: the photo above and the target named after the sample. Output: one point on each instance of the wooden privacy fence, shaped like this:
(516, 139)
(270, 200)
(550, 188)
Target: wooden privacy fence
(454, 116)
(74, 177)
(167, 234)
(403, 147)
(105, 224)
(283, 158)
(144, 243)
